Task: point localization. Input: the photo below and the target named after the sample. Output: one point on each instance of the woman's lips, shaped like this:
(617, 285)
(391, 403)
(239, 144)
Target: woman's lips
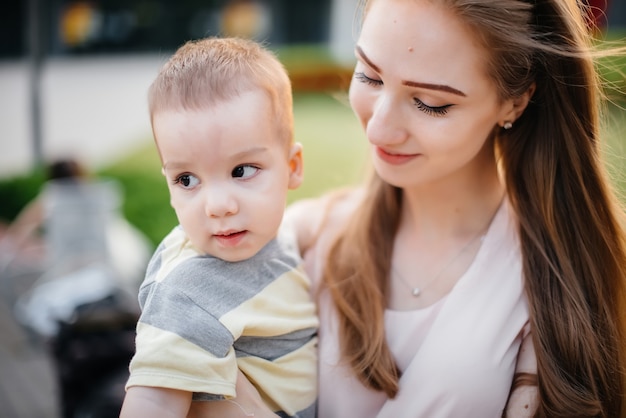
(395, 159)
(230, 239)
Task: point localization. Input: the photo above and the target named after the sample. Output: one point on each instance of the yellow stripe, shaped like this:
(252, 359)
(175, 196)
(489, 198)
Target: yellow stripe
(282, 307)
(177, 250)
(287, 384)
(163, 359)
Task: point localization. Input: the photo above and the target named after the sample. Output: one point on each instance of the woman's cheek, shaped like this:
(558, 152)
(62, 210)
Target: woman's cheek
(359, 102)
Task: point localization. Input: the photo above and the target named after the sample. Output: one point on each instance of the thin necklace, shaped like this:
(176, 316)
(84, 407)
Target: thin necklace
(417, 290)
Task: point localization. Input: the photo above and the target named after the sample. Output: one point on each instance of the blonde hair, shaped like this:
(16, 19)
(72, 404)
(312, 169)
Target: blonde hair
(570, 222)
(204, 72)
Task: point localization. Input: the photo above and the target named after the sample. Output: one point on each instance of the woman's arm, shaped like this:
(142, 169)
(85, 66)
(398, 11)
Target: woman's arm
(142, 401)
(322, 217)
(26, 223)
(524, 395)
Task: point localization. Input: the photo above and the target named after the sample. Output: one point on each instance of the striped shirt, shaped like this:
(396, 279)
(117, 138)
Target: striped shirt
(203, 317)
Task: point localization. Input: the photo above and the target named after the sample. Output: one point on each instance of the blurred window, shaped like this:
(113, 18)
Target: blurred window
(77, 27)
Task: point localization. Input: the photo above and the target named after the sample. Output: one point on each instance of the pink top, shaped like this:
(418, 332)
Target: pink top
(457, 356)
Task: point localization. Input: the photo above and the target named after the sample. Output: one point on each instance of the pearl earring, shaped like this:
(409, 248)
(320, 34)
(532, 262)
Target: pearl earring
(507, 125)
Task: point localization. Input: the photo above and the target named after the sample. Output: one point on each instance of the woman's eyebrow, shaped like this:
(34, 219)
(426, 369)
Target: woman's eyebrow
(440, 87)
(364, 57)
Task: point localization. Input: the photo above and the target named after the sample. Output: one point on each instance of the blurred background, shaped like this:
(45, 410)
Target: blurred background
(74, 76)
(73, 83)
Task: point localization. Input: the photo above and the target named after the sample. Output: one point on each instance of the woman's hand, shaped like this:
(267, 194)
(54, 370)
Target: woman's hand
(143, 401)
(247, 404)
(524, 398)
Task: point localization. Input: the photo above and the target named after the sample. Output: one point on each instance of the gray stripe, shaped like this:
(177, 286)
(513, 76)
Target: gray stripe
(153, 268)
(222, 286)
(309, 412)
(200, 290)
(202, 396)
(271, 348)
(170, 310)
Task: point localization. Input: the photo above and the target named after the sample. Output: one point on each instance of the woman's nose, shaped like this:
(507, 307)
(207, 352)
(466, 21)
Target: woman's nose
(386, 125)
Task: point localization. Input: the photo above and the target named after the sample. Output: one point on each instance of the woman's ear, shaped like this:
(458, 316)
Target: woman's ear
(296, 166)
(516, 106)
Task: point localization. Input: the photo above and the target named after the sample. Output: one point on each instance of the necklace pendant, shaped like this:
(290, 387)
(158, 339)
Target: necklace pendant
(416, 291)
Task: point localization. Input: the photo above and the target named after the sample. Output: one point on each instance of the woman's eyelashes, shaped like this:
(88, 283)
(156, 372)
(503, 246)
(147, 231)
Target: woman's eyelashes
(429, 110)
(367, 80)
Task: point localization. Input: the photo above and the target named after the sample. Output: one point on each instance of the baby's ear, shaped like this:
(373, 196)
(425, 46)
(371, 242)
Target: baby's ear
(296, 166)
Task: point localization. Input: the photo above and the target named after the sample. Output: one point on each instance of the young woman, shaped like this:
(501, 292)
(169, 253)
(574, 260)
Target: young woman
(481, 270)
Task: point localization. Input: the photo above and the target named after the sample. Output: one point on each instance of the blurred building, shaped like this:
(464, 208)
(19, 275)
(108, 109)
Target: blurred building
(73, 27)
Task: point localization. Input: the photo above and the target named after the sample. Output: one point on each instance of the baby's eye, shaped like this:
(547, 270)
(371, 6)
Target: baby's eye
(187, 181)
(244, 171)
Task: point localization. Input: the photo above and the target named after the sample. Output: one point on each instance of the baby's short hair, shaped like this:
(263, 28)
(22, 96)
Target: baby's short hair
(203, 72)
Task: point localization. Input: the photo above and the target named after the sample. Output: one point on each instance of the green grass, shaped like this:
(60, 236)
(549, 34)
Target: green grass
(614, 150)
(334, 143)
(613, 68)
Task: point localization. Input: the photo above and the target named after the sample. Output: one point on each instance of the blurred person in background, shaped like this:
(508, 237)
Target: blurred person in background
(80, 296)
(76, 220)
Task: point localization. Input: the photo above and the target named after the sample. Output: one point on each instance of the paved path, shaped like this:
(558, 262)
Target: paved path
(28, 387)
(28, 379)
(92, 108)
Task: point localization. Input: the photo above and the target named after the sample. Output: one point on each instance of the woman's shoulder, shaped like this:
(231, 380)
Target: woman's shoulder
(336, 203)
(312, 217)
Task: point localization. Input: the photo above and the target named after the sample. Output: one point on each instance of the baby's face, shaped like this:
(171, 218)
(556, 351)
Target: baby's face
(228, 173)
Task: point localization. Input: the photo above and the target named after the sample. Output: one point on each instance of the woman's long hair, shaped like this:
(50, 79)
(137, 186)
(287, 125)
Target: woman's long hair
(570, 223)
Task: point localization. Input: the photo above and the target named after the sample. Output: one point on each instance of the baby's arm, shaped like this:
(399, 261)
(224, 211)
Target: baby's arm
(23, 228)
(143, 401)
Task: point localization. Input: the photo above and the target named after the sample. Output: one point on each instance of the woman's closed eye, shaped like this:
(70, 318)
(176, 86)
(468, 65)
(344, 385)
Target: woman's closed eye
(244, 171)
(431, 110)
(187, 181)
(367, 80)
